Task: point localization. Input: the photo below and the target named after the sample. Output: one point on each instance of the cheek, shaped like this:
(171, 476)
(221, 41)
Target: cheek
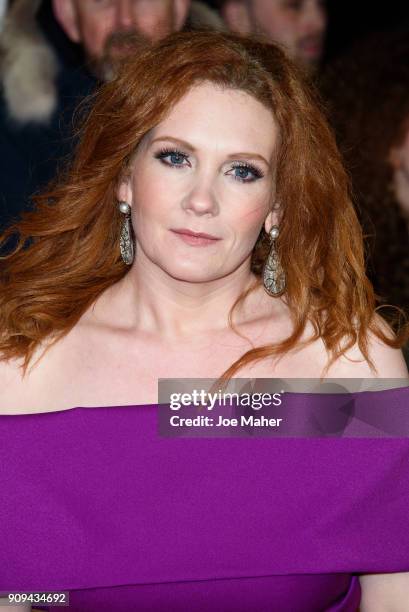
(150, 198)
(281, 27)
(250, 215)
(95, 33)
(155, 26)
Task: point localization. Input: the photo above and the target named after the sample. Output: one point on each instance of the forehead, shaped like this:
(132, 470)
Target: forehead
(221, 118)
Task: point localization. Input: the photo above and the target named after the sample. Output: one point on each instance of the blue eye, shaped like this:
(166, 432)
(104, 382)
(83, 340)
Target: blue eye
(242, 172)
(171, 157)
(246, 173)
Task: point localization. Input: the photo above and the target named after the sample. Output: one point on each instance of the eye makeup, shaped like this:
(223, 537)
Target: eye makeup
(246, 167)
(174, 158)
(174, 154)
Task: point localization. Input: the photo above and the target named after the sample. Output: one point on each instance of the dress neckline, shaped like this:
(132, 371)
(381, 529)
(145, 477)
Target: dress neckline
(76, 408)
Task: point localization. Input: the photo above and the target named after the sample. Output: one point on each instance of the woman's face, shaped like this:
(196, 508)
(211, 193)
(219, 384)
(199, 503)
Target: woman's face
(208, 167)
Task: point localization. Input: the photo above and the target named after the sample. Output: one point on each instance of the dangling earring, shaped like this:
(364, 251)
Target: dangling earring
(273, 273)
(126, 240)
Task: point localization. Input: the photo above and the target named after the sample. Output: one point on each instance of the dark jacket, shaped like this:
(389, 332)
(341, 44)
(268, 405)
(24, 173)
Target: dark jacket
(43, 80)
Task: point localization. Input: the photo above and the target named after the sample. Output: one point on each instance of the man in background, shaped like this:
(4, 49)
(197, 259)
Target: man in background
(53, 54)
(298, 25)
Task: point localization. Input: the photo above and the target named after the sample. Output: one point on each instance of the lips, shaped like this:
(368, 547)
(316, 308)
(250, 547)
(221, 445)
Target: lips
(195, 234)
(195, 239)
(311, 47)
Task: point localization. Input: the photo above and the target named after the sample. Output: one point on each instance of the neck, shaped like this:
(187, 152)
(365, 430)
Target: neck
(152, 302)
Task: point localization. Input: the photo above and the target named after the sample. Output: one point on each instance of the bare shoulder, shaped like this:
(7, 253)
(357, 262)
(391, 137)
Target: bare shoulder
(384, 591)
(6, 607)
(11, 377)
(388, 362)
(16, 389)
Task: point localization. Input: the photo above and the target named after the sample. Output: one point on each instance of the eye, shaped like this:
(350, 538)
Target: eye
(246, 173)
(172, 157)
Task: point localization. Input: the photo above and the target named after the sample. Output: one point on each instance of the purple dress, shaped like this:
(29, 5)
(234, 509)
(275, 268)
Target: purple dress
(95, 502)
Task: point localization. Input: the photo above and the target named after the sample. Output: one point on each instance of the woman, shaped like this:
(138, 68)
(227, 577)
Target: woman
(218, 135)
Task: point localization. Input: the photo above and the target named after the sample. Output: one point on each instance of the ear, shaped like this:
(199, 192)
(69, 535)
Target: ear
(235, 14)
(273, 217)
(65, 13)
(124, 192)
(180, 11)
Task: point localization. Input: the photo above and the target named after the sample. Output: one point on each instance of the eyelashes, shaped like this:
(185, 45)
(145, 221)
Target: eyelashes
(246, 167)
(174, 158)
(164, 153)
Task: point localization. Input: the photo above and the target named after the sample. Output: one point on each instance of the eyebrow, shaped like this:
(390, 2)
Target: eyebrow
(191, 148)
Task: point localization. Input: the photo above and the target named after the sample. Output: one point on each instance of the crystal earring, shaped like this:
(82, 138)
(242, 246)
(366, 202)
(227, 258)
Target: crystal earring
(273, 273)
(126, 240)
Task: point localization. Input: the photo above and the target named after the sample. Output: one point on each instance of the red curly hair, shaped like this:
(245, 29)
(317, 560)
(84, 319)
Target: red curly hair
(68, 247)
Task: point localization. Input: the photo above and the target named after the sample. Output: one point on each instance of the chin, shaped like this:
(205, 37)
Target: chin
(190, 276)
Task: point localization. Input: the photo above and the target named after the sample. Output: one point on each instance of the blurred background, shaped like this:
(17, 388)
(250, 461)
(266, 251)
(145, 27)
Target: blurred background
(351, 20)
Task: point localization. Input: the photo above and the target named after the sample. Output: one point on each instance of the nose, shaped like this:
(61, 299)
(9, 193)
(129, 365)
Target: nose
(201, 200)
(314, 18)
(124, 15)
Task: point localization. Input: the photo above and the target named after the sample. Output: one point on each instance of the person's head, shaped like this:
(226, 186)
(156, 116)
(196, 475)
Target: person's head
(100, 26)
(298, 25)
(173, 134)
(196, 170)
(367, 92)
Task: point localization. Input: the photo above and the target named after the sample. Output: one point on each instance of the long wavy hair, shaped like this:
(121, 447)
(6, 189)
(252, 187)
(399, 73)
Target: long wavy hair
(67, 251)
(367, 94)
